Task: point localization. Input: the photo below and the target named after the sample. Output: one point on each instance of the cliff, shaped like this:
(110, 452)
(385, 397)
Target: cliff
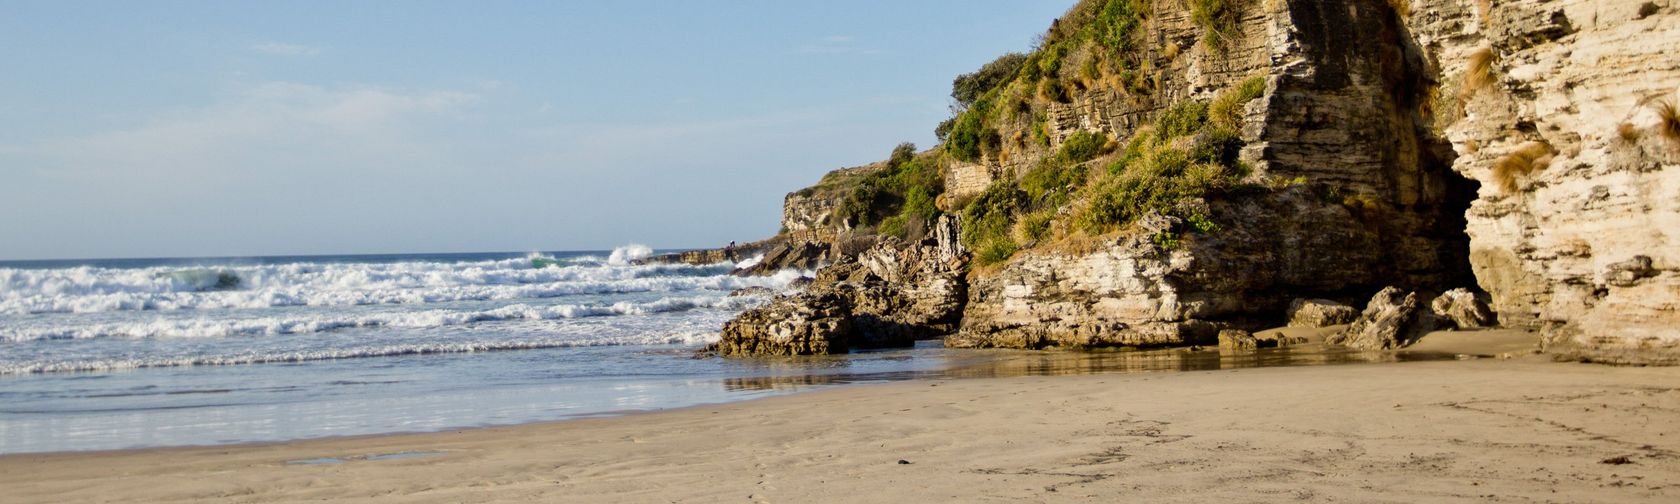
(1155, 172)
(1568, 120)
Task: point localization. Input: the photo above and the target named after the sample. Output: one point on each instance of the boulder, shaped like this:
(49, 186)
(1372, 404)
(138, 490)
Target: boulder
(1463, 309)
(1237, 339)
(1320, 313)
(802, 255)
(752, 291)
(1391, 320)
(802, 324)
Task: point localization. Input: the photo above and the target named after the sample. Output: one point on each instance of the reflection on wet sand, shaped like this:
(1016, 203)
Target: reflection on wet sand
(1010, 363)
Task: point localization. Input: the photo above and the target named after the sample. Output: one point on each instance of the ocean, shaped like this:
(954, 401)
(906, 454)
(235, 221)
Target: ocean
(110, 354)
(135, 353)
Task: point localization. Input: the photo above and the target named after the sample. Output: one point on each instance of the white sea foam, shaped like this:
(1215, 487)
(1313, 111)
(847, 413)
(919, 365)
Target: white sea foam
(89, 290)
(117, 364)
(623, 256)
(224, 327)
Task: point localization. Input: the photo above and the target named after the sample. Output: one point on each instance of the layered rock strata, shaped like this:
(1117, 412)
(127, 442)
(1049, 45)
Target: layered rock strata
(1566, 118)
(1339, 117)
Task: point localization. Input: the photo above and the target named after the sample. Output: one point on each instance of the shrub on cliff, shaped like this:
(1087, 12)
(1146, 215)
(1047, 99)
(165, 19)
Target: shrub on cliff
(969, 87)
(898, 196)
(1218, 19)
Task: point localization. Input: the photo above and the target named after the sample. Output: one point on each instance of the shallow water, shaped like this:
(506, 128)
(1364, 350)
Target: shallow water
(143, 353)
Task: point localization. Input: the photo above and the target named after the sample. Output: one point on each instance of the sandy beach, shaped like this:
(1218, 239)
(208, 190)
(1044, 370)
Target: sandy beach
(1523, 430)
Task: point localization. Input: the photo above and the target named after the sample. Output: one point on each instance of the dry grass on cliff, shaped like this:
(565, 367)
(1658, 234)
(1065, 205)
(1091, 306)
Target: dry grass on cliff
(1527, 159)
(1669, 117)
(1628, 132)
(1402, 8)
(1479, 74)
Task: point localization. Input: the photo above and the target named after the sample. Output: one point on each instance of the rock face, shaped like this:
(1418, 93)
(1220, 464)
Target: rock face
(803, 324)
(1391, 320)
(904, 292)
(1574, 227)
(1529, 146)
(1319, 313)
(1338, 117)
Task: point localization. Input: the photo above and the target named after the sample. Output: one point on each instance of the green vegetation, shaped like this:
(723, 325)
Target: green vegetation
(896, 198)
(1189, 153)
(1117, 22)
(1086, 183)
(1097, 43)
(969, 87)
(1218, 19)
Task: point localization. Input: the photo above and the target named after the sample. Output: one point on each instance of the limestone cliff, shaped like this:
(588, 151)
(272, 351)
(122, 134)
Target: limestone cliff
(1567, 118)
(1349, 190)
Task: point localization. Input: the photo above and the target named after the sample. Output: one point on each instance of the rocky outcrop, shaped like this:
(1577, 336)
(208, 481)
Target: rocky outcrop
(1529, 146)
(1237, 339)
(1391, 320)
(1358, 193)
(1319, 313)
(912, 291)
(1557, 108)
(802, 324)
(800, 255)
(1463, 309)
(887, 296)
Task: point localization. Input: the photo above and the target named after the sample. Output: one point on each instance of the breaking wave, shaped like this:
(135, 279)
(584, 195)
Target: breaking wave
(91, 290)
(119, 364)
(426, 319)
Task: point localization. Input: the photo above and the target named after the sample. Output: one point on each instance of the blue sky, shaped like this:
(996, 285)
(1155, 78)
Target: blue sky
(146, 129)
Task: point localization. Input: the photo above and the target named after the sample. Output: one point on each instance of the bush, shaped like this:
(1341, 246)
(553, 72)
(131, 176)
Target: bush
(943, 130)
(1226, 111)
(964, 140)
(1218, 19)
(989, 216)
(1117, 23)
(969, 87)
(996, 251)
(1083, 146)
(1181, 119)
(1034, 226)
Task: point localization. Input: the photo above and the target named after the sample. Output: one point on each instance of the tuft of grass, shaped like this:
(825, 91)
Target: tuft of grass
(1527, 159)
(1668, 120)
(1628, 132)
(1402, 8)
(1226, 110)
(1034, 227)
(1480, 73)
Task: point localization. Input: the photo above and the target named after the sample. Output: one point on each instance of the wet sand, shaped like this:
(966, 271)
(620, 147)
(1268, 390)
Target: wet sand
(1522, 429)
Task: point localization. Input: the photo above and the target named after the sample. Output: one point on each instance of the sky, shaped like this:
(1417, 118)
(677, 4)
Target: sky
(185, 129)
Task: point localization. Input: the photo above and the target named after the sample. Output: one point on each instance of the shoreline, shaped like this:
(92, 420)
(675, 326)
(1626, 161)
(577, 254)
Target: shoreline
(980, 364)
(1324, 429)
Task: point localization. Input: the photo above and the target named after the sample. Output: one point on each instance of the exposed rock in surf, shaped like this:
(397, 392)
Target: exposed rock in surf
(752, 291)
(802, 324)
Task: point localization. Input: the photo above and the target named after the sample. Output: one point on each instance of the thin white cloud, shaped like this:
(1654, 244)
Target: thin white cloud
(284, 49)
(260, 124)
